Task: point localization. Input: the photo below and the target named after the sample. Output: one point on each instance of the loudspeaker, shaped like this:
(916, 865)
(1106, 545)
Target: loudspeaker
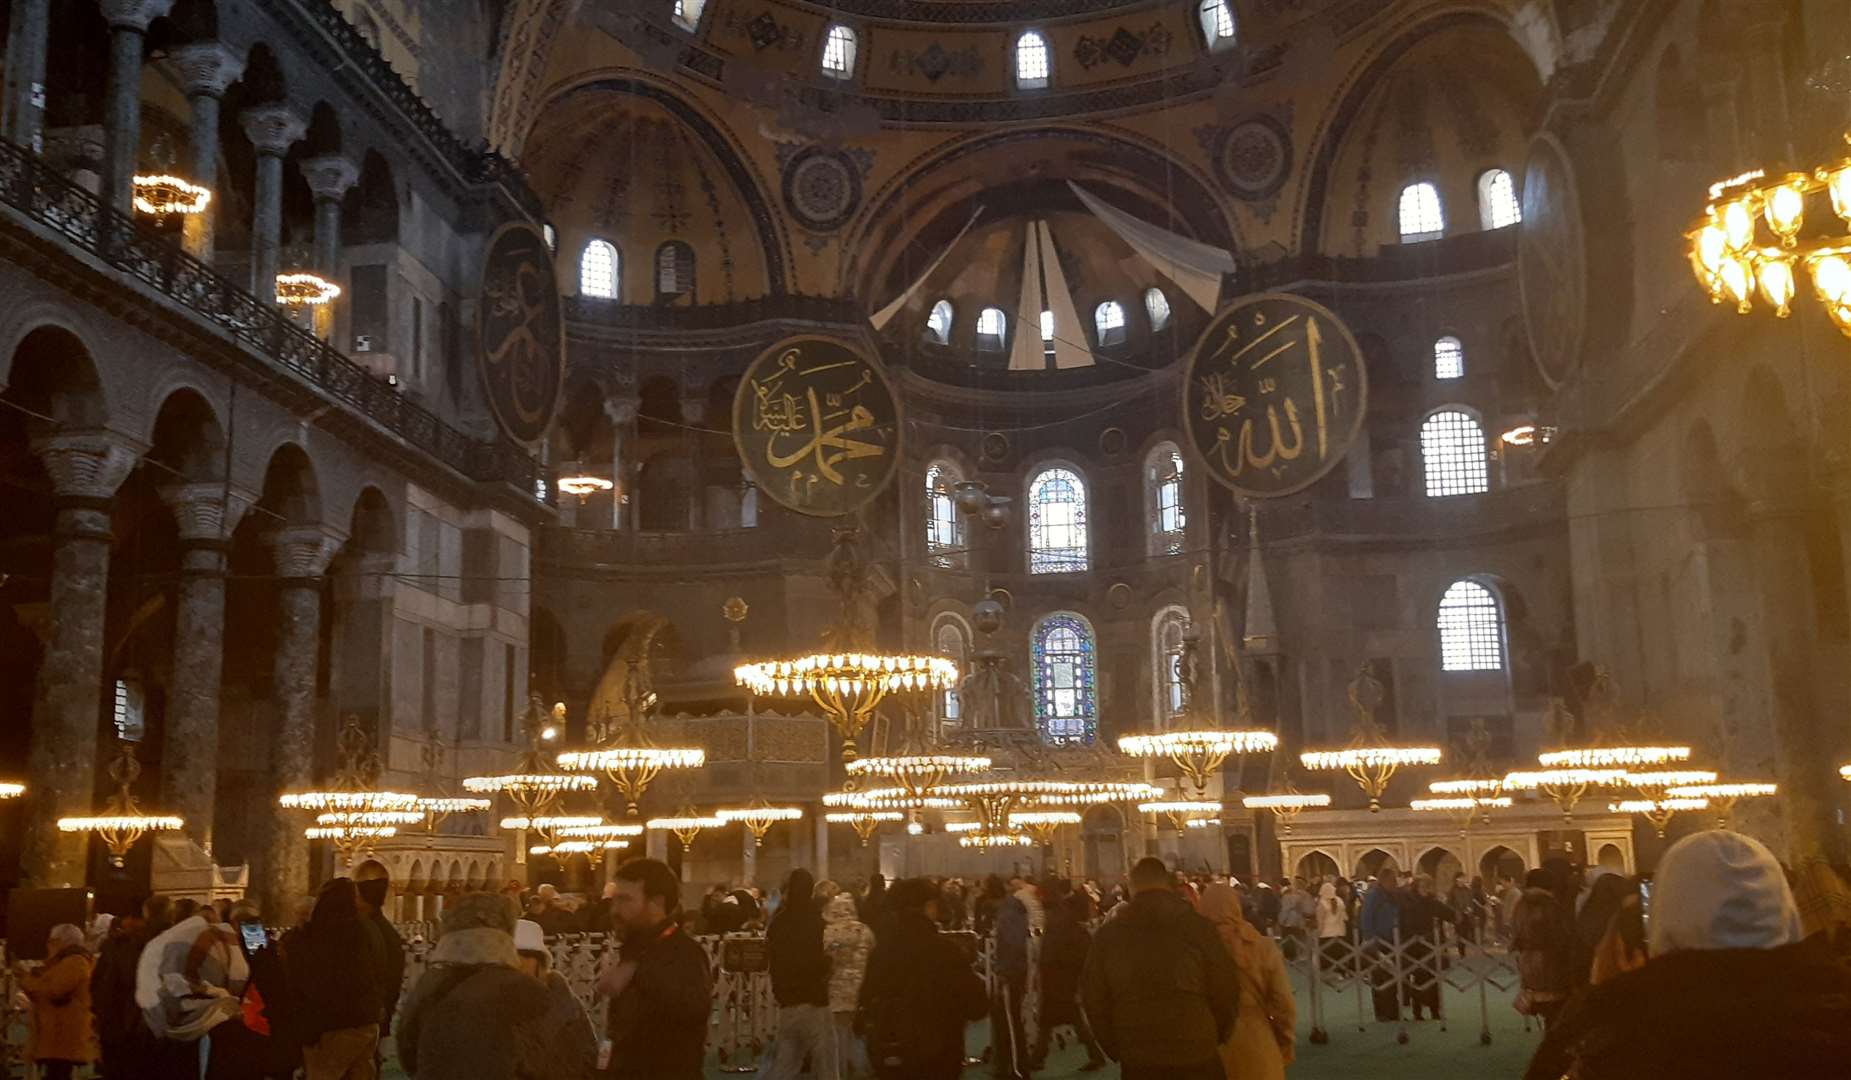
(31, 913)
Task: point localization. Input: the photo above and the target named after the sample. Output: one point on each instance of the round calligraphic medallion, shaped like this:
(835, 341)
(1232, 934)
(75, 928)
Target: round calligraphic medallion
(817, 426)
(523, 358)
(1275, 394)
(1552, 262)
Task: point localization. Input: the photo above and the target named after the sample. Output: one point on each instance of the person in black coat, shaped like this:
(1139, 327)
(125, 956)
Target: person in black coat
(1063, 959)
(336, 968)
(119, 1025)
(662, 993)
(919, 993)
(800, 983)
(373, 887)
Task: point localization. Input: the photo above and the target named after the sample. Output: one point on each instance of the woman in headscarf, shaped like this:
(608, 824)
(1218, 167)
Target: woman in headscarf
(1264, 1038)
(1730, 989)
(1332, 922)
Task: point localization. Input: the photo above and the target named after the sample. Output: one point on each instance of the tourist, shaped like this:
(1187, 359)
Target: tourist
(564, 1030)
(1331, 919)
(1605, 899)
(848, 941)
(1266, 905)
(1824, 899)
(336, 969)
(1622, 947)
(1379, 925)
(264, 1040)
(952, 907)
(919, 993)
(983, 914)
(1265, 1035)
(661, 994)
(1063, 960)
(1542, 936)
(374, 886)
(1159, 987)
(472, 1013)
(188, 979)
(122, 1035)
(873, 900)
(59, 1037)
(550, 911)
(1009, 986)
(800, 985)
(1424, 960)
(1508, 894)
(1731, 990)
(1297, 912)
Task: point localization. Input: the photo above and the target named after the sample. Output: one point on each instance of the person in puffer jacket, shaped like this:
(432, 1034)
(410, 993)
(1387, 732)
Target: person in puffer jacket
(847, 941)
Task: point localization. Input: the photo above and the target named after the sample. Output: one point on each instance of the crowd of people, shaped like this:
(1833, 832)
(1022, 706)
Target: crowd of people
(1725, 962)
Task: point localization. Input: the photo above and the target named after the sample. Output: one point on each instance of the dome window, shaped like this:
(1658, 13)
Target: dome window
(597, 270)
(1032, 64)
(1157, 306)
(938, 323)
(1420, 213)
(1109, 321)
(688, 13)
(1217, 23)
(1497, 199)
(992, 327)
(839, 52)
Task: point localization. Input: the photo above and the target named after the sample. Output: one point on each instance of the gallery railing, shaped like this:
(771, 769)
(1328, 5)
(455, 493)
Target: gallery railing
(32, 188)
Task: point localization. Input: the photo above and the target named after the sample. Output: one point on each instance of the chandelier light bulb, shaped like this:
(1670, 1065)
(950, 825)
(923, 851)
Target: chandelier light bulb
(1774, 279)
(1738, 224)
(1784, 209)
(1831, 278)
(1838, 185)
(1712, 244)
(1738, 281)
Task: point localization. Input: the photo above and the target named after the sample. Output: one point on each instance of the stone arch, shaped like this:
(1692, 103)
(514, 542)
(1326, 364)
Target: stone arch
(1373, 862)
(455, 882)
(1500, 862)
(1317, 863)
(415, 881)
(372, 528)
(473, 880)
(264, 80)
(291, 490)
(1610, 857)
(324, 131)
(187, 443)
(548, 654)
(1440, 863)
(1102, 842)
(52, 376)
(665, 489)
(370, 210)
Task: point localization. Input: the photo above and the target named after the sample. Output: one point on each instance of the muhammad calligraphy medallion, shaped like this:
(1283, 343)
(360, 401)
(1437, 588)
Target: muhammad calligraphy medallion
(817, 426)
(1275, 394)
(523, 340)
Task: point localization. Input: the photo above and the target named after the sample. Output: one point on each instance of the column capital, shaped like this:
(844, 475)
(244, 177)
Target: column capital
(206, 68)
(304, 551)
(205, 511)
(87, 464)
(693, 409)
(329, 176)
(273, 128)
(134, 14)
(621, 408)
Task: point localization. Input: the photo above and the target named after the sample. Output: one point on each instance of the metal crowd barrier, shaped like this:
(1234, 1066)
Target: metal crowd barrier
(1414, 972)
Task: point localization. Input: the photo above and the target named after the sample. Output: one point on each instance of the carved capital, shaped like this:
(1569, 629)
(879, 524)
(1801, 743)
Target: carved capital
(304, 551)
(273, 129)
(694, 409)
(206, 68)
(204, 511)
(87, 464)
(621, 408)
(133, 14)
(329, 176)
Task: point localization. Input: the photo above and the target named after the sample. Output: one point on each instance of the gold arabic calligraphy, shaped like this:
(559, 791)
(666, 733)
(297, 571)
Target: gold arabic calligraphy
(821, 422)
(1239, 403)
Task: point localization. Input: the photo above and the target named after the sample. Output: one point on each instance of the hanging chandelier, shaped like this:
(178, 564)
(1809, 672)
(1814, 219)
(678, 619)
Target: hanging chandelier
(536, 785)
(1199, 750)
(162, 196)
(349, 812)
(593, 850)
(1182, 812)
(303, 289)
(686, 825)
(625, 754)
(585, 485)
(122, 821)
(1612, 757)
(865, 822)
(1043, 825)
(1287, 805)
(439, 808)
(1566, 787)
(1723, 797)
(1464, 807)
(1369, 758)
(917, 774)
(1658, 811)
(759, 816)
(1748, 240)
(983, 838)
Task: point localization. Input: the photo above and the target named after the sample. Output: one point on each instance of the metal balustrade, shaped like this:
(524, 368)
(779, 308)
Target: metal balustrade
(31, 188)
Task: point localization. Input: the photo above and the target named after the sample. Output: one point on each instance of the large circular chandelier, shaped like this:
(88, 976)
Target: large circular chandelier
(303, 289)
(536, 785)
(1043, 825)
(122, 821)
(1369, 757)
(1748, 240)
(847, 686)
(1199, 754)
(1565, 786)
(1659, 811)
(162, 196)
(917, 774)
(1182, 813)
(686, 824)
(1723, 797)
(984, 838)
(759, 816)
(865, 822)
(350, 813)
(1464, 807)
(625, 754)
(1287, 805)
(1612, 757)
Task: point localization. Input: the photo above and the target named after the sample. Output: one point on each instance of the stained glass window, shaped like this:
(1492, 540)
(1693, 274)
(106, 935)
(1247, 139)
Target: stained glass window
(1471, 629)
(1064, 664)
(1163, 475)
(942, 531)
(1167, 654)
(1452, 452)
(1056, 522)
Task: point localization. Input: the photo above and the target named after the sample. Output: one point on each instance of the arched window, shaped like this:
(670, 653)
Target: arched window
(1448, 358)
(839, 52)
(1032, 66)
(938, 323)
(1420, 213)
(674, 270)
(951, 641)
(1452, 452)
(992, 327)
(1109, 321)
(1157, 306)
(130, 713)
(1047, 334)
(944, 533)
(1217, 23)
(597, 270)
(1167, 656)
(688, 13)
(1163, 499)
(1471, 625)
(1497, 199)
(550, 235)
(1064, 665)
(1056, 522)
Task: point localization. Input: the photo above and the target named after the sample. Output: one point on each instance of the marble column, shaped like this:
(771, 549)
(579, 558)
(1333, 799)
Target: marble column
(272, 129)
(128, 29)
(821, 851)
(86, 468)
(329, 178)
(205, 69)
(189, 773)
(302, 554)
(27, 42)
(1794, 726)
(621, 409)
(694, 413)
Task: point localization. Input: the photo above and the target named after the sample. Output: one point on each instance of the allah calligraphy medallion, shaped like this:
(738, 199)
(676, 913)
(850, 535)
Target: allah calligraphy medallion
(1275, 394)
(817, 426)
(523, 341)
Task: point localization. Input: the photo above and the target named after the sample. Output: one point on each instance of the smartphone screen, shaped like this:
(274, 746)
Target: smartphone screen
(253, 936)
(1645, 902)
